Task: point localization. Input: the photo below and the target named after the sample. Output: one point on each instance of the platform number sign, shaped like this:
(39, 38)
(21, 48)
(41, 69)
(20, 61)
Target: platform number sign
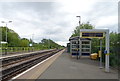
(92, 35)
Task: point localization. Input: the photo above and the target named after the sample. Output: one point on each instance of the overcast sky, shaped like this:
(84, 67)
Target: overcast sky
(56, 20)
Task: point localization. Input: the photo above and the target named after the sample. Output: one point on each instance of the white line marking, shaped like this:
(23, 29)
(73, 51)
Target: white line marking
(33, 67)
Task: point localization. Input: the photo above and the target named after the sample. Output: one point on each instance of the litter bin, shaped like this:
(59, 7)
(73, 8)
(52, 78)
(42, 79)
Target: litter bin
(94, 56)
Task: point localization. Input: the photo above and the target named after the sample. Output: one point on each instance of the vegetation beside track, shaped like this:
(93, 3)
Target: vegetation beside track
(17, 44)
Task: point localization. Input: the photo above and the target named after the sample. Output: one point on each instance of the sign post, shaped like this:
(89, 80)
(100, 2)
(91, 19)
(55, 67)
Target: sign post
(107, 55)
(100, 54)
(98, 33)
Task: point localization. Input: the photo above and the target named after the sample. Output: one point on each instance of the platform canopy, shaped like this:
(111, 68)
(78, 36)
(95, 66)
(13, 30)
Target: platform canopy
(98, 33)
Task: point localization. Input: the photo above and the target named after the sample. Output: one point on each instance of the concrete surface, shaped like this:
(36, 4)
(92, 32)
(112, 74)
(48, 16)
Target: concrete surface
(66, 67)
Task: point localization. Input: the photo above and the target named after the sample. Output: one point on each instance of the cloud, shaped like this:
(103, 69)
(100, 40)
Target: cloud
(56, 20)
(107, 20)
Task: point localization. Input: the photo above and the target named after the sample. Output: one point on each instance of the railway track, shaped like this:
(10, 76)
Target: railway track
(13, 66)
(11, 60)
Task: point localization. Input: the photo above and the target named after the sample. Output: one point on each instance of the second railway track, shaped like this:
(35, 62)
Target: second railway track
(14, 67)
(11, 60)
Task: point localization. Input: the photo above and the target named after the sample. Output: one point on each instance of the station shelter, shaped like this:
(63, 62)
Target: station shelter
(68, 47)
(80, 46)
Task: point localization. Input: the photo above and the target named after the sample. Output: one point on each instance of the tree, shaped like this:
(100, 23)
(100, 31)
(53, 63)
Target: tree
(49, 43)
(13, 38)
(24, 42)
(3, 29)
(113, 38)
(82, 26)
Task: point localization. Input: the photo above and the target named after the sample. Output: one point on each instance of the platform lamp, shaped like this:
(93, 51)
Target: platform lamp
(6, 27)
(78, 56)
(79, 19)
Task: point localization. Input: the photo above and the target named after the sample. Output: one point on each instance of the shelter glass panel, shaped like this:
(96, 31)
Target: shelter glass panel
(85, 46)
(85, 42)
(85, 50)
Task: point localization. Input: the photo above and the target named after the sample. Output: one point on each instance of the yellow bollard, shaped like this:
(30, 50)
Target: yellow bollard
(99, 53)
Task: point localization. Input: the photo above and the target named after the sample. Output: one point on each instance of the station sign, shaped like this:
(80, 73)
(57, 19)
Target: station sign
(92, 34)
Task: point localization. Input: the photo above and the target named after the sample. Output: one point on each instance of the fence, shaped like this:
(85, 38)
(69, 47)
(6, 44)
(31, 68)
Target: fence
(13, 50)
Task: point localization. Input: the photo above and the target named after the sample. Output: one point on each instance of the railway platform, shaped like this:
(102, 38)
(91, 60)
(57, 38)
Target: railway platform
(63, 66)
(66, 67)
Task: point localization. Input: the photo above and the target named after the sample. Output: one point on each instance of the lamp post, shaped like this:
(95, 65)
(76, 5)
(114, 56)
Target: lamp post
(32, 38)
(6, 27)
(32, 42)
(79, 54)
(6, 34)
(79, 19)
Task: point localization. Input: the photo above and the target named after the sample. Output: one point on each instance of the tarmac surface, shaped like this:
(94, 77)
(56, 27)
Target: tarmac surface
(67, 67)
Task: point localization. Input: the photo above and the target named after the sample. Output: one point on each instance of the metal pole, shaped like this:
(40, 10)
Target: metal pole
(32, 38)
(6, 32)
(107, 55)
(6, 28)
(49, 43)
(100, 52)
(79, 48)
(32, 42)
(78, 55)
(79, 33)
(79, 21)
(71, 47)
